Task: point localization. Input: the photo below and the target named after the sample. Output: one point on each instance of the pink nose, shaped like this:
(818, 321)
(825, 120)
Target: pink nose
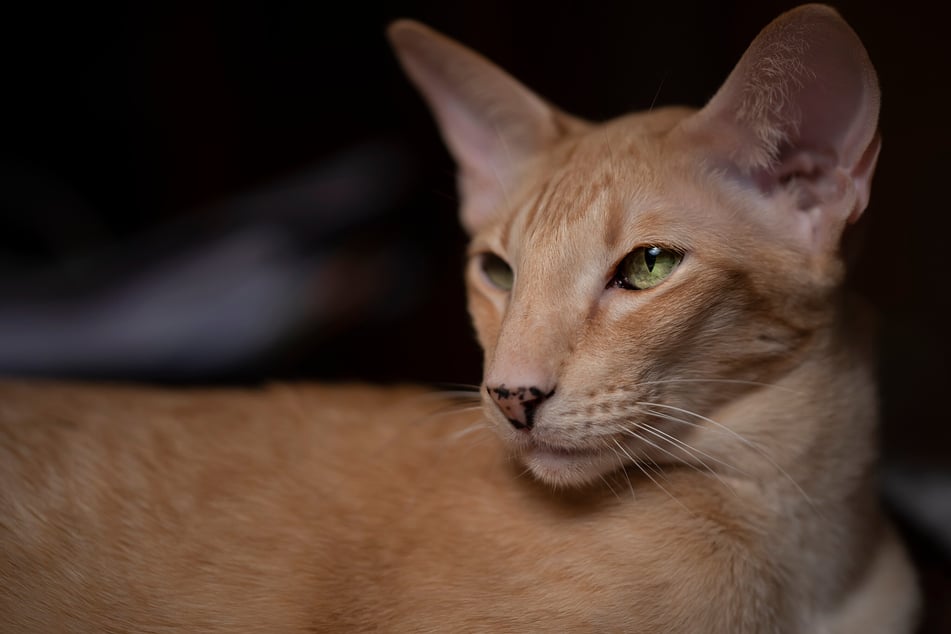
(518, 404)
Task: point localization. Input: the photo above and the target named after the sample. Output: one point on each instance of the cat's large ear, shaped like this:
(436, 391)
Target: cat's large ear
(798, 119)
(490, 122)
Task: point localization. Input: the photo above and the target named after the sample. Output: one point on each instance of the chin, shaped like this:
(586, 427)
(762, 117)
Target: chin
(568, 468)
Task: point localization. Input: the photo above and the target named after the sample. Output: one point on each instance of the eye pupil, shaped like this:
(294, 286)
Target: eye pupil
(650, 257)
(645, 268)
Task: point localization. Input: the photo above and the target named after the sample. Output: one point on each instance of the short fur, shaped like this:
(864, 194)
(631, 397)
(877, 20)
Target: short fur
(700, 455)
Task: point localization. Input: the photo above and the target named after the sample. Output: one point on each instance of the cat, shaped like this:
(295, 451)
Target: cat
(675, 432)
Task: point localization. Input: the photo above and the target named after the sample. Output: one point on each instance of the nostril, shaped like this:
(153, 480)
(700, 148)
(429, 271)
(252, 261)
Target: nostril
(519, 404)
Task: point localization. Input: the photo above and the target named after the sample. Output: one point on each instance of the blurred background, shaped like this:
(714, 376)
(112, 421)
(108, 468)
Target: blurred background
(224, 192)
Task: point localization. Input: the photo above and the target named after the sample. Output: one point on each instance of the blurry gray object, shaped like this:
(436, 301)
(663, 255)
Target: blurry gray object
(216, 290)
(923, 496)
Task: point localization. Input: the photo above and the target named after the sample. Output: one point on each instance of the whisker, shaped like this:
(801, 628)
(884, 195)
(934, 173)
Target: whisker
(461, 408)
(735, 381)
(465, 387)
(526, 471)
(656, 468)
(448, 403)
(461, 395)
(685, 446)
(448, 410)
(720, 426)
(652, 479)
(657, 94)
(681, 420)
(465, 431)
(627, 478)
(746, 442)
(610, 488)
(623, 468)
(677, 442)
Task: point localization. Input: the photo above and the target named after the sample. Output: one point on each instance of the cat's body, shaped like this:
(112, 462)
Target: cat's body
(685, 445)
(300, 508)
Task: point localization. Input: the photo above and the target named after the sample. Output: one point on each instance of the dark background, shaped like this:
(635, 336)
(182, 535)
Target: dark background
(230, 192)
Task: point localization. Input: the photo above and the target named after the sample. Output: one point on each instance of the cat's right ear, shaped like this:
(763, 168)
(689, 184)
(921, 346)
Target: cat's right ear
(491, 123)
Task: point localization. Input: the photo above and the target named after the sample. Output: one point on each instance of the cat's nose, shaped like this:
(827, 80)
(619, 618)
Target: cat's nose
(518, 404)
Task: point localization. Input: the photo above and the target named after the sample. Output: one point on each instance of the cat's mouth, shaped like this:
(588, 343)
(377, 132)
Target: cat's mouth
(565, 465)
(556, 452)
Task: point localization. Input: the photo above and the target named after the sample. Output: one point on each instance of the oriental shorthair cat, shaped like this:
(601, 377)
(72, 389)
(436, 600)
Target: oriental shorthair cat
(675, 432)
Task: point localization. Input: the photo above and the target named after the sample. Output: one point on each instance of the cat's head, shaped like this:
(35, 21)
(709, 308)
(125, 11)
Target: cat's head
(627, 279)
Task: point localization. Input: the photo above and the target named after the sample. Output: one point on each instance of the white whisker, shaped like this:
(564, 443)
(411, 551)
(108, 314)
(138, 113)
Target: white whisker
(657, 94)
(623, 468)
(684, 421)
(647, 473)
(734, 381)
(656, 468)
(444, 395)
(685, 447)
(746, 442)
(450, 410)
(465, 431)
(463, 408)
(526, 471)
(466, 387)
(610, 488)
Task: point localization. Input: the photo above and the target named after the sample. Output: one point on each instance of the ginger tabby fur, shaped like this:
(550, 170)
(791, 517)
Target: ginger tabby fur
(698, 457)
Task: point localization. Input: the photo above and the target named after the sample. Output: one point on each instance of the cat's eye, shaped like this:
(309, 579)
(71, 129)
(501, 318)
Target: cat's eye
(645, 267)
(497, 271)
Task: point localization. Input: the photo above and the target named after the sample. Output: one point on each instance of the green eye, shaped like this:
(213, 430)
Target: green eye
(645, 268)
(497, 271)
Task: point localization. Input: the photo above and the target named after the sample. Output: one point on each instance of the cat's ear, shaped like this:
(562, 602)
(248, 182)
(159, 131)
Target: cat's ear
(798, 118)
(491, 123)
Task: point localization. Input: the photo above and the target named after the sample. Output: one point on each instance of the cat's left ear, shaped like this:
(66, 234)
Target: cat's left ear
(798, 118)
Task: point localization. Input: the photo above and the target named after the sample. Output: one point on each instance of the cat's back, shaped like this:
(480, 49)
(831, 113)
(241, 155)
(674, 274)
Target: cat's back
(148, 509)
(194, 447)
(130, 435)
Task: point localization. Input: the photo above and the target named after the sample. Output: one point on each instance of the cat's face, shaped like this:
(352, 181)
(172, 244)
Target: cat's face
(624, 351)
(629, 279)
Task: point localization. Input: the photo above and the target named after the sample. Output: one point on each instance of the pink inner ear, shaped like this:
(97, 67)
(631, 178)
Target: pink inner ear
(806, 170)
(804, 83)
(836, 97)
(799, 113)
(834, 101)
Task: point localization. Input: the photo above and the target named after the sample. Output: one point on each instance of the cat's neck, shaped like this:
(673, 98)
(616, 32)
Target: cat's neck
(815, 422)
